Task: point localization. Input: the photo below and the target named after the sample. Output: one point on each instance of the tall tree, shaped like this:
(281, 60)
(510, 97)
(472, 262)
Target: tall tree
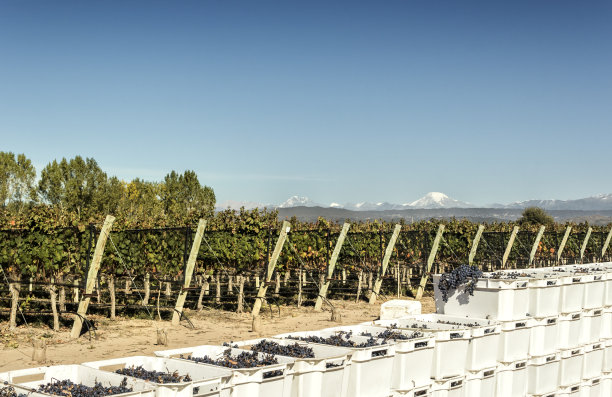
(17, 175)
(183, 197)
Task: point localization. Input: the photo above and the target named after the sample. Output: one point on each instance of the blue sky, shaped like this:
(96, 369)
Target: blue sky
(344, 101)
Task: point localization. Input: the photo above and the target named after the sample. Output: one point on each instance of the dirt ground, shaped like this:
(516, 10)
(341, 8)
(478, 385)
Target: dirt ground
(128, 337)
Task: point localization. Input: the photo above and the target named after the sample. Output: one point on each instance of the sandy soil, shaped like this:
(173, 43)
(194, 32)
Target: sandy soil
(125, 337)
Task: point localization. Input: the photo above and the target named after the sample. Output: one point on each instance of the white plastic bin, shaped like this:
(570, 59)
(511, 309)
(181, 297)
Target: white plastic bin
(371, 368)
(514, 340)
(572, 293)
(606, 322)
(324, 375)
(484, 344)
(422, 391)
(451, 387)
(570, 367)
(593, 388)
(543, 339)
(544, 294)
(503, 300)
(594, 292)
(570, 391)
(543, 374)
(570, 331)
(607, 362)
(606, 384)
(591, 325)
(593, 361)
(19, 390)
(449, 342)
(34, 377)
(512, 379)
(206, 380)
(270, 380)
(481, 383)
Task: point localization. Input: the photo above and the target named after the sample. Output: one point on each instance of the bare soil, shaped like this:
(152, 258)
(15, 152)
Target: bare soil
(129, 337)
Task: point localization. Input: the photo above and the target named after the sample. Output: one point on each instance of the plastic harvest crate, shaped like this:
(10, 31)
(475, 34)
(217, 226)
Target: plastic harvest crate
(450, 387)
(593, 388)
(543, 338)
(371, 368)
(413, 357)
(592, 325)
(19, 390)
(543, 374)
(34, 377)
(481, 383)
(512, 379)
(570, 331)
(570, 391)
(422, 391)
(514, 340)
(485, 335)
(450, 342)
(593, 360)
(206, 380)
(502, 300)
(324, 375)
(607, 363)
(606, 323)
(570, 367)
(247, 382)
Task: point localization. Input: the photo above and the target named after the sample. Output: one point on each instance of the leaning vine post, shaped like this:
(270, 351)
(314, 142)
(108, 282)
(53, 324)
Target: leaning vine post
(585, 243)
(568, 230)
(332, 266)
(475, 244)
(193, 255)
(92, 276)
(384, 264)
(606, 244)
(515, 231)
(430, 261)
(261, 293)
(534, 249)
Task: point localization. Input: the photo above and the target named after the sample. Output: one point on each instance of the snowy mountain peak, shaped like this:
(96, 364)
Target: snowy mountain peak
(438, 200)
(298, 201)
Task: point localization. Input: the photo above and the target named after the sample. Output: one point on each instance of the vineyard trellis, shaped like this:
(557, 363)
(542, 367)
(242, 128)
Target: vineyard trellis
(142, 271)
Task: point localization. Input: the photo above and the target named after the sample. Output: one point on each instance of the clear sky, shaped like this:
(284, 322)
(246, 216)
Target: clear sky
(486, 101)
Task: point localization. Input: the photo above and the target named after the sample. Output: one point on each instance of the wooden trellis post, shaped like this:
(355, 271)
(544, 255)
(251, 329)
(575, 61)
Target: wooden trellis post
(606, 244)
(535, 245)
(384, 264)
(585, 243)
(332, 266)
(475, 244)
(563, 242)
(92, 276)
(261, 293)
(430, 261)
(515, 231)
(193, 255)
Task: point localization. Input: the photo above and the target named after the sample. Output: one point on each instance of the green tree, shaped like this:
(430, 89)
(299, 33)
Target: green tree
(184, 198)
(77, 185)
(536, 216)
(17, 175)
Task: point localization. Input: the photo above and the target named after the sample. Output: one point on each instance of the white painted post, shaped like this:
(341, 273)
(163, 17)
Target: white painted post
(91, 276)
(475, 244)
(585, 243)
(515, 231)
(563, 242)
(385, 263)
(332, 266)
(193, 255)
(535, 245)
(606, 244)
(430, 261)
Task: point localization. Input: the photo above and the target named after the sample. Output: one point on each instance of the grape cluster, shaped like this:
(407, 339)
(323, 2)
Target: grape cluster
(70, 389)
(242, 360)
(392, 333)
(295, 350)
(341, 339)
(463, 274)
(154, 376)
(507, 275)
(9, 391)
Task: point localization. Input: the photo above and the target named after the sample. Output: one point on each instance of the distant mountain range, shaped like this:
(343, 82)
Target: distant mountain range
(435, 200)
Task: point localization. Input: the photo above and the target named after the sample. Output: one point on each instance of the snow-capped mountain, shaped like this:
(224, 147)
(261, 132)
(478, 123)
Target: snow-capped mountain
(601, 202)
(298, 201)
(438, 200)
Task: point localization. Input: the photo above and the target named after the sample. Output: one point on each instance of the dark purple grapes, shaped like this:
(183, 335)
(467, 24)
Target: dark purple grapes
(393, 333)
(153, 376)
(341, 339)
(242, 360)
(9, 391)
(295, 350)
(462, 275)
(70, 389)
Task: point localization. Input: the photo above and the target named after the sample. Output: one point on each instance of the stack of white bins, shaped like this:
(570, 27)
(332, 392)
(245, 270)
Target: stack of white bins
(556, 328)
